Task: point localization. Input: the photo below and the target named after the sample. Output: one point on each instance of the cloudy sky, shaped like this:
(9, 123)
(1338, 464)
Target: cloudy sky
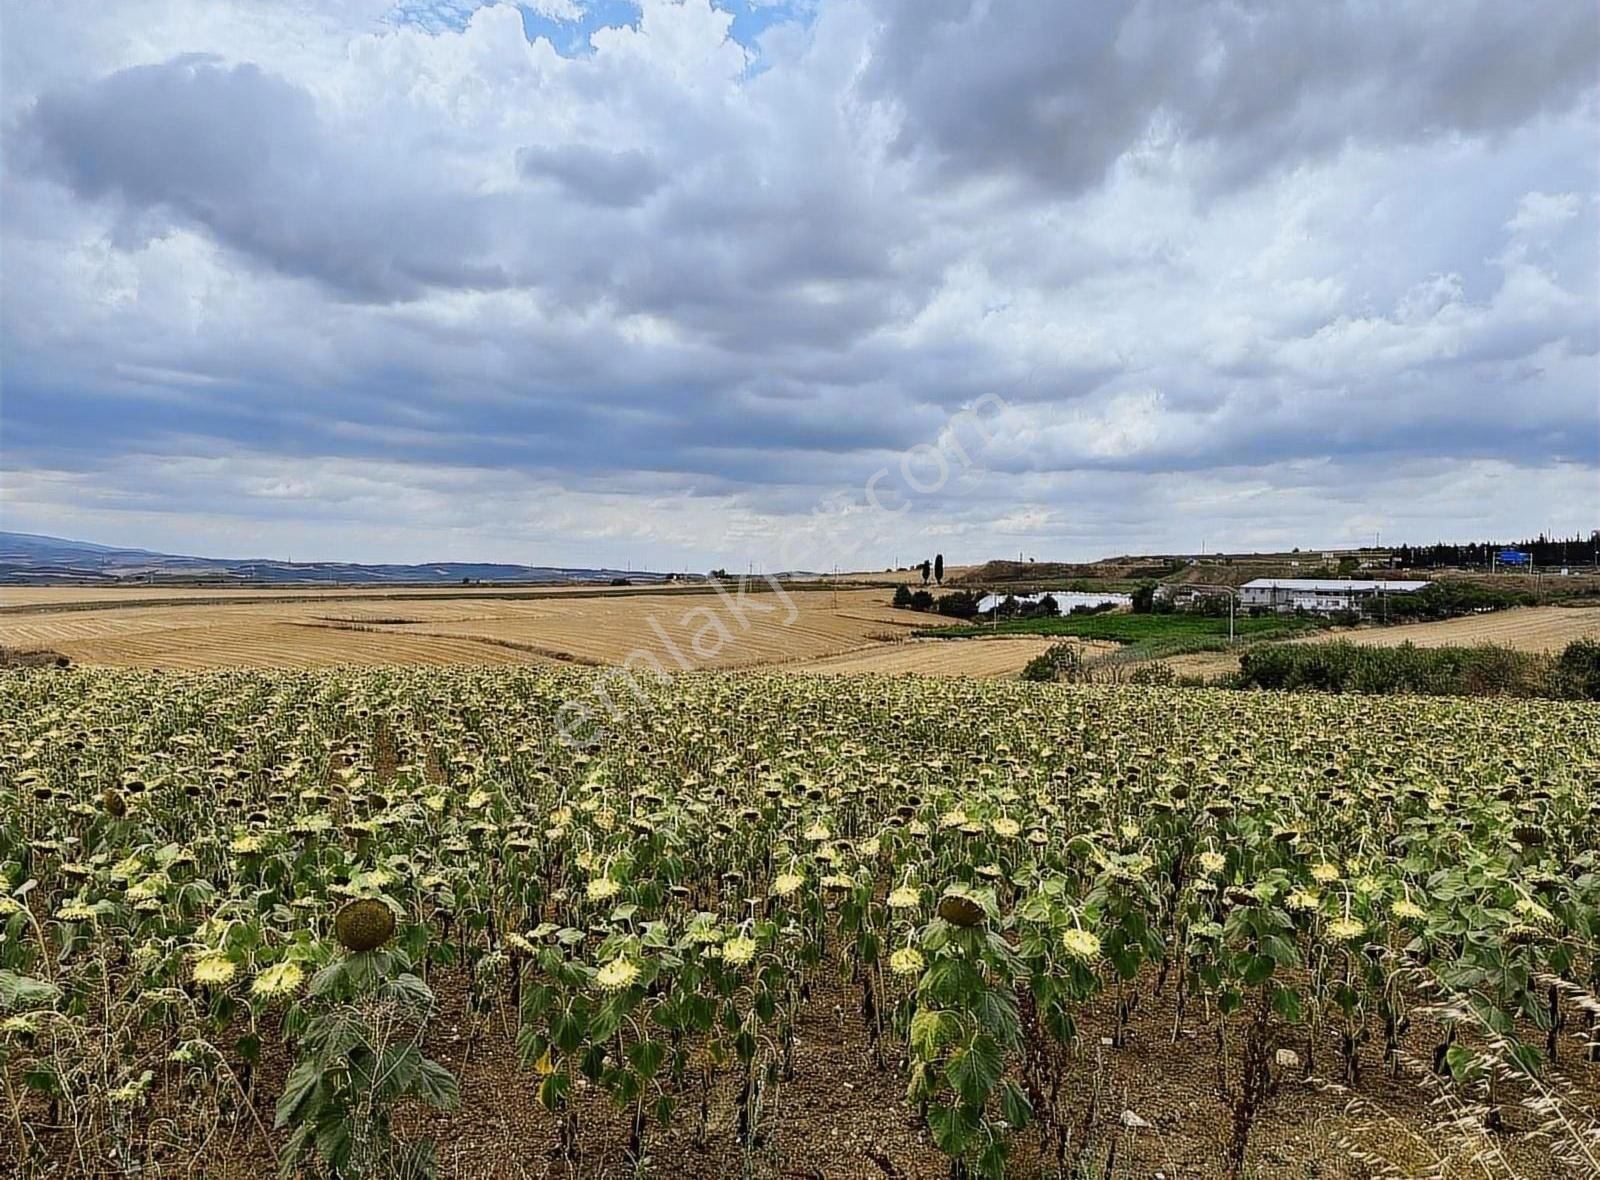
(782, 284)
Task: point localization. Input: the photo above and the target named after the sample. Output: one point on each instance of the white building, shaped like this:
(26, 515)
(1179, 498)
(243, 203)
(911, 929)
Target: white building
(1320, 595)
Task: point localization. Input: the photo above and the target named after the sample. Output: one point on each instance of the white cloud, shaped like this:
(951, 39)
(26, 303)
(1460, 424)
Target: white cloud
(423, 287)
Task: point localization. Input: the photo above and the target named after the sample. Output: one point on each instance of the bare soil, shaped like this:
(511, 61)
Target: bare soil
(1153, 1107)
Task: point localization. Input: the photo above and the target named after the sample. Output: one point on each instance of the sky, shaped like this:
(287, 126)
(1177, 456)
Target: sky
(796, 285)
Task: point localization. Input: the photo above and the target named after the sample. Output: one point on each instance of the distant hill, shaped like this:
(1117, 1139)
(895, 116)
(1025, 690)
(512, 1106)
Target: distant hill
(993, 573)
(29, 559)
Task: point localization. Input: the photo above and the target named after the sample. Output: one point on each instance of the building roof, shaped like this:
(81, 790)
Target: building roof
(1332, 585)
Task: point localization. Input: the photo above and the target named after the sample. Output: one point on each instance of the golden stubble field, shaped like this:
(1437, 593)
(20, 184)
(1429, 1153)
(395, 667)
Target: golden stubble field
(804, 627)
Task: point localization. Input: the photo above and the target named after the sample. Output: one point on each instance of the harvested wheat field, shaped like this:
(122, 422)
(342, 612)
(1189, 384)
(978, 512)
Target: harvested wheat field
(681, 630)
(1532, 628)
(990, 658)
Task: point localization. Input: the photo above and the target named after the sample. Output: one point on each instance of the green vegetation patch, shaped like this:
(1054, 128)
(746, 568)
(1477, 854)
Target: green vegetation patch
(1480, 670)
(1126, 628)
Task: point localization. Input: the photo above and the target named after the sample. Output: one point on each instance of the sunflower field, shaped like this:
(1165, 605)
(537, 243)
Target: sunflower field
(273, 920)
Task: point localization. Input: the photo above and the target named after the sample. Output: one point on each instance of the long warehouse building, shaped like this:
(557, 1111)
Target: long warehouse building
(1320, 595)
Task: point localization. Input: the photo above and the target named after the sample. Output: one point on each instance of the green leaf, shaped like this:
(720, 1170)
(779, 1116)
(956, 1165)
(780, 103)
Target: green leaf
(302, 1084)
(24, 991)
(334, 1142)
(41, 1079)
(336, 1034)
(1058, 1022)
(646, 1056)
(625, 1086)
(567, 1031)
(531, 1043)
(1525, 1057)
(1259, 969)
(700, 1011)
(997, 1012)
(992, 1159)
(436, 1085)
(289, 1157)
(931, 1030)
(919, 1088)
(1126, 960)
(325, 982)
(397, 1068)
(1463, 1062)
(952, 1129)
(1493, 1018)
(553, 1091)
(1281, 950)
(765, 1005)
(973, 1071)
(409, 994)
(948, 982)
(1014, 1106)
(249, 1047)
(665, 1104)
(1286, 1002)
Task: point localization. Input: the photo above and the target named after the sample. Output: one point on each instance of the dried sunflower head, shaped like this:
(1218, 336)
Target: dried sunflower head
(960, 910)
(363, 924)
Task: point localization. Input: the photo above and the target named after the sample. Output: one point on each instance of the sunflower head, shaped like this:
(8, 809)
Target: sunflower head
(906, 961)
(1347, 929)
(959, 909)
(214, 970)
(617, 975)
(113, 802)
(905, 897)
(1081, 944)
(278, 980)
(364, 924)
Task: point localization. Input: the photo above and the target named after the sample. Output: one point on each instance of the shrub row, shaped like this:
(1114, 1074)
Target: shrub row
(1481, 670)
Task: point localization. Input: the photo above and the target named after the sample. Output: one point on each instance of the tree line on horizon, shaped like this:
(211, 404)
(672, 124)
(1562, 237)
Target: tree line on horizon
(1541, 550)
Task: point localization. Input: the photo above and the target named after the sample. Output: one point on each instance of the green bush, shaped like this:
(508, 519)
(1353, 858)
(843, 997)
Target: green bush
(1060, 661)
(1447, 600)
(1578, 669)
(1483, 670)
(1157, 675)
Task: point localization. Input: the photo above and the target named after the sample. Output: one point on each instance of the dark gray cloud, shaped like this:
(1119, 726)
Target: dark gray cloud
(607, 178)
(1059, 93)
(1223, 262)
(243, 155)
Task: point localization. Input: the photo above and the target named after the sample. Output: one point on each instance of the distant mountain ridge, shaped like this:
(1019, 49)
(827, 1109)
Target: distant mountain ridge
(31, 559)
